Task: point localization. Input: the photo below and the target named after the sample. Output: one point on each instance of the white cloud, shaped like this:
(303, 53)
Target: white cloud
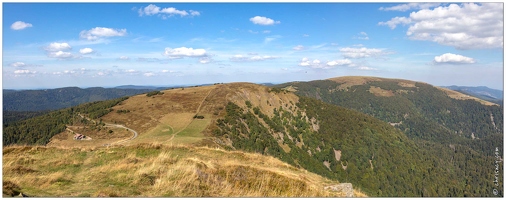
(253, 32)
(271, 38)
(148, 74)
(194, 13)
(86, 51)
(298, 48)
(124, 58)
(366, 68)
(305, 35)
(410, 6)
(19, 25)
(101, 32)
(205, 60)
(464, 26)
(130, 71)
(165, 12)
(24, 71)
(55, 46)
(339, 62)
(60, 55)
(363, 52)
(361, 36)
(317, 64)
(263, 20)
(453, 59)
(18, 64)
(266, 31)
(396, 20)
(241, 58)
(184, 52)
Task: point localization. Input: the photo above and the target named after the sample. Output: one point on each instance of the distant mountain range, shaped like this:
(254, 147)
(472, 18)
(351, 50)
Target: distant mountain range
(482, 92)
(52, 99)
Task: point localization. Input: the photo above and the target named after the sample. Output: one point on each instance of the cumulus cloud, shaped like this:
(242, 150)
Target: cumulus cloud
(24, 71)
(339, 62)
(241, 58)
(184, 52)
(55, 46)
(263, 21)
(410, 6)
(362, 36)
(453, 59)
(18, 64)
(86, 51)
(101, 32)
(363, 52)
(60, 55)
(298, 48)
(19, 25)
(165, 12)
(317, 64)
(464, 26)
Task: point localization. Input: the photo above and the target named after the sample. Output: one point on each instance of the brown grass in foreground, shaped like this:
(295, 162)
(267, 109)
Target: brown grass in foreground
(154, 170)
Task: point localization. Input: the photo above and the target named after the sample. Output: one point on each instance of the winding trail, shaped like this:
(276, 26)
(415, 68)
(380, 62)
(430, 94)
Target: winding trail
(124, 140)
(197, 112)
(117, 126)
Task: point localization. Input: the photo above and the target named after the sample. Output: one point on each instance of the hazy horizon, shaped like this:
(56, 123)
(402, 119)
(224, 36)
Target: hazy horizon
(54, 45)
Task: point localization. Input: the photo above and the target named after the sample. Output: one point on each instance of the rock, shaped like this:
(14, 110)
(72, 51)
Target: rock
(345, 188)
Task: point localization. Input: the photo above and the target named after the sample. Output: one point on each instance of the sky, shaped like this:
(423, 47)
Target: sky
(51, 45)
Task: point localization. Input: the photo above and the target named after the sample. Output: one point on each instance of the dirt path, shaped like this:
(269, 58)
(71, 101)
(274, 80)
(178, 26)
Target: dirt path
(125, 140)
(117, 126)
(197, 112)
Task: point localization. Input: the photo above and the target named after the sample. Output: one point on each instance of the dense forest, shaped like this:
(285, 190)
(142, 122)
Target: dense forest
(40, 129)
(373, 155)
(421, 112)
(53, 99)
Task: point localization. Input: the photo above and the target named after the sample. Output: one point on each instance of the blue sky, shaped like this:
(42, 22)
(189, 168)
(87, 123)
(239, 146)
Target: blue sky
(49, 45)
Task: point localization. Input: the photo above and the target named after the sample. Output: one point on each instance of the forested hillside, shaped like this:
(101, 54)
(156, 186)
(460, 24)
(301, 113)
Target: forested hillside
(40, 129)
(420, 110)
(353, 147)
(53, 99)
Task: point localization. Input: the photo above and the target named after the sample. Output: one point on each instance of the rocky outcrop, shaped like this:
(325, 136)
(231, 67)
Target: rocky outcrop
(345, 188)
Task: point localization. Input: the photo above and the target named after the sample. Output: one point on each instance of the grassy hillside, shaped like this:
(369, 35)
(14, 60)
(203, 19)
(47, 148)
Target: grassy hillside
(154, 170)
(335, 142)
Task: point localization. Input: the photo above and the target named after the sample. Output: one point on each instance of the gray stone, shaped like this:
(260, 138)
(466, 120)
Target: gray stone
(345, 188)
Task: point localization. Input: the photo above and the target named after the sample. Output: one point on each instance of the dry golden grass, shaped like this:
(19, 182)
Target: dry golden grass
(155, 170)
(380, 92)
(348, 81)
(459, 96)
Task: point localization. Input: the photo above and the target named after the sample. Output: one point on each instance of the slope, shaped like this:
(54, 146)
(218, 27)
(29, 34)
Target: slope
(460, 133)
(154, 170)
